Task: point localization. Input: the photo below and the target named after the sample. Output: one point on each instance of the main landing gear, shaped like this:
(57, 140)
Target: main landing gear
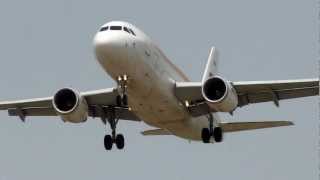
(207, 133)
(114, 138)
(122, 98)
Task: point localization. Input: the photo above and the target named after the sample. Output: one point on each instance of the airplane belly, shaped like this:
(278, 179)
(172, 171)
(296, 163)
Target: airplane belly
(150, 91)
(141, 81)
(192, 127)
(152, 94)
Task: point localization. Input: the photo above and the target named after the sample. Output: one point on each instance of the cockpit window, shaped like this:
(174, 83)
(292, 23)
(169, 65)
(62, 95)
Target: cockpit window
(104, 28)
(126, 29)
(132, 32)
(115, 27)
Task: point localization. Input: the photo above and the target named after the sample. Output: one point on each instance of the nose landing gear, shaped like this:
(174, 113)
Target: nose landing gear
(111, 117)
(114, 138)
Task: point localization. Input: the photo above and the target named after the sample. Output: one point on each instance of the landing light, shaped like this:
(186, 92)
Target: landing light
(125, 77)
(187, 103)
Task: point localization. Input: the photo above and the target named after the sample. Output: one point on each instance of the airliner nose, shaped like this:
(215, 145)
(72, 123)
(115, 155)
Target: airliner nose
(110, 43)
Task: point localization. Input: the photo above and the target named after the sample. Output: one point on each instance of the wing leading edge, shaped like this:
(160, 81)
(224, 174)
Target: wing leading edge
(98, 102)
(250, 92)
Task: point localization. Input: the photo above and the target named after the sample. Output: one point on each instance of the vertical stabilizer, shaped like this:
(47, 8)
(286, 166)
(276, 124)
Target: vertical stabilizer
(211, 66)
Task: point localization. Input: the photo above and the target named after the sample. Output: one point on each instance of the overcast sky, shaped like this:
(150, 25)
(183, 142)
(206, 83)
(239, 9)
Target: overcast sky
(46, 45)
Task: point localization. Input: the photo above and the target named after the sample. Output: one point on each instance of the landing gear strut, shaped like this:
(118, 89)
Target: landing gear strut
(207, 133)
(121, 101)
(114, 138)
(122, 98)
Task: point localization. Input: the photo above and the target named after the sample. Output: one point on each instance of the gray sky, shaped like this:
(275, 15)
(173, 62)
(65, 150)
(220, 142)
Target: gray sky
(46, 45)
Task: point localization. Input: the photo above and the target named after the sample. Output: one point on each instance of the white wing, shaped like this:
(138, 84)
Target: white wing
(263, 91)
(250, 92)
(97, 101)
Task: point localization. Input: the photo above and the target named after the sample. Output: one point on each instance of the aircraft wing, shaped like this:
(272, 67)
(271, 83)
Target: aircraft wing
(98, 101)
(249, 92)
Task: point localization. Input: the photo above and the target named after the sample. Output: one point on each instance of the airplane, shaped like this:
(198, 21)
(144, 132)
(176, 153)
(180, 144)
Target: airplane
(151, 89)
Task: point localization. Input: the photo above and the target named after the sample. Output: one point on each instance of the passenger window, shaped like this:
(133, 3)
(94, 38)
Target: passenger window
(132, 31)
(104, 28)
(115, 27)
(126, 29)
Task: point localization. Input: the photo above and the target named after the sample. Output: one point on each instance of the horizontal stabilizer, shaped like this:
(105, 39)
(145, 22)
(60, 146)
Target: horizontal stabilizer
(244, 126)
(156, 132)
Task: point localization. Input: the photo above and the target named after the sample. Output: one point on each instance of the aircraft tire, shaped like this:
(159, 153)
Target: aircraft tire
(217, 134)
(205, 135)
(120, 141)
(108, 142)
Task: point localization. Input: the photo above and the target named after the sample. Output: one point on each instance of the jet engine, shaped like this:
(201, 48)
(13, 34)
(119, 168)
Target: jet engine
(70, 106)
(220, 94)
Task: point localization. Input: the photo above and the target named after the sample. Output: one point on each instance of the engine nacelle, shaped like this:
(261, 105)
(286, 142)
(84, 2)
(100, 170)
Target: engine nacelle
(70, 106)
(219, 94)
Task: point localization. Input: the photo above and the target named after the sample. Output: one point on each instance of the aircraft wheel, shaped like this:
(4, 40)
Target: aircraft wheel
(108, 142)
(120, 141)
(218, 134)
(205, 135)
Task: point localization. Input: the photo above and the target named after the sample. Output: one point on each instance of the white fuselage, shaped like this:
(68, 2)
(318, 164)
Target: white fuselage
(152, 77)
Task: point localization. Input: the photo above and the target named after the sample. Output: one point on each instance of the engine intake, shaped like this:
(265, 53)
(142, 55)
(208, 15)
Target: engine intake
(65, 100)
(70, 105)
(219, 94)
(214, 89)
